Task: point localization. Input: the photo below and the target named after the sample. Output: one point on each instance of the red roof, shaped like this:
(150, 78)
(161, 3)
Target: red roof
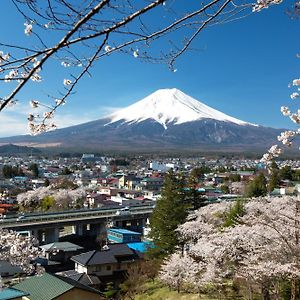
(5, 205)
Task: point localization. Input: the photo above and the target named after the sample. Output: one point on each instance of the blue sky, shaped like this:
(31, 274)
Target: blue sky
(241, 68)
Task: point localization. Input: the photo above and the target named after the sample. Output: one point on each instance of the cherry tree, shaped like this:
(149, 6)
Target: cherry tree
(77, 34)
(261, 249)
(19, 250)
(63, 198)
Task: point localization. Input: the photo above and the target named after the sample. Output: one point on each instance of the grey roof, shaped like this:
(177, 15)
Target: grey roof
(94, 258)
(62, 246)
(7, 269)
(105, 256)
(82, 277)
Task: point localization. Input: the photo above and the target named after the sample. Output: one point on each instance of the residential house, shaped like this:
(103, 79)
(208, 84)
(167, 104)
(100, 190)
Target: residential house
(153, 183)
(60, 251)
(96, 199)
(50, 287)
(83, 278)
(110, 260)
(128, 182)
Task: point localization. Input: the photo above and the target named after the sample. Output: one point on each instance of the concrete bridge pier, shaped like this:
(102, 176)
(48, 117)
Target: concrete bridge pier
(51, 235)
(38, 234)
(81, 229)
(78, 229)
(97, 229)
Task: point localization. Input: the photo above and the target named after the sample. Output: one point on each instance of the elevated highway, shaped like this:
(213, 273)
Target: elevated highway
(91, 220)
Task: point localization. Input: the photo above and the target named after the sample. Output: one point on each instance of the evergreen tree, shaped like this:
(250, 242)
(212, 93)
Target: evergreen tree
(34, 169)
(257, 187)
(273, 181)
(66, 171)
(192, 194)
(199, 172)
(236, 211)
(286, 172)
(9, 171)
(225, 189)
(171, 210)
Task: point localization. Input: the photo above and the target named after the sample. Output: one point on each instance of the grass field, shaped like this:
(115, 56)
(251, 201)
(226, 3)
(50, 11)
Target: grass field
(157, 291)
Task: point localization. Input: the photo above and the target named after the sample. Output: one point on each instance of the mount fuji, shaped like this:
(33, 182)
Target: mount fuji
(170, 106)
(168, 119)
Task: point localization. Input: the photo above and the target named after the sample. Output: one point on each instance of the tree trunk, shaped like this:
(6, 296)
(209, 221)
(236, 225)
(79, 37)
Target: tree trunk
(178, 286)
(294, 289)
(265, 291)
(250, 292)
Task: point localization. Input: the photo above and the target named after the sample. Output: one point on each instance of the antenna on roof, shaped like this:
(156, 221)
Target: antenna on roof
(105, 248)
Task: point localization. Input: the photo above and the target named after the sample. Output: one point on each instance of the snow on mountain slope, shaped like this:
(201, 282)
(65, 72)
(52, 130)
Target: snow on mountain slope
(170, 106)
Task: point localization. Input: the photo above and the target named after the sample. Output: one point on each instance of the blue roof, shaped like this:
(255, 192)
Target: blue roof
(141, 246)
(11, 293)
(122, 231)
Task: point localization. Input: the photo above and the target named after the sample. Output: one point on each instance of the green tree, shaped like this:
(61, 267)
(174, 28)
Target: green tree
(199, 172)
(34, 168)
(11, 171)
(110, 291)
(47, 203)
(7, 171)
(296, 175)
(236, 211)
(274, 180)
(286, 172)
(171, 210)
(257, 187)
(225, 189)
(235, 177)
(192, 193)
(66, 171)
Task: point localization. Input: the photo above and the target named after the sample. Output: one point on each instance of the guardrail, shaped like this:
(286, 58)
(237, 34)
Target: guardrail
(34, 219)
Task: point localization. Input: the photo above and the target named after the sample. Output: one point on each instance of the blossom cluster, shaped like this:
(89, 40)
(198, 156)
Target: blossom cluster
(28, 28)
(64, 198)
(34, 125)
(273, 152)
(286, 137)
(261, 4)
(18, 250)
(262, 245)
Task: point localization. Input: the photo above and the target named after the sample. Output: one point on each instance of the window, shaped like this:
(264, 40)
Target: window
(108, 268)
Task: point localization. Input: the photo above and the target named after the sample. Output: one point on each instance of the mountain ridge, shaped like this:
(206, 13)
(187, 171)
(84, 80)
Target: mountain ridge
(157, 106)
(166, 119)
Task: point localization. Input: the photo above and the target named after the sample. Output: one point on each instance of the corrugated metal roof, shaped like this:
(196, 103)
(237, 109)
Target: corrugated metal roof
(44, 287)
(11, 293)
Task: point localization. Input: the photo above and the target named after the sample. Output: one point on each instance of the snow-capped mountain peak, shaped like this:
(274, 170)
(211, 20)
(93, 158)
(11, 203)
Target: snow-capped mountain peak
(170, 106)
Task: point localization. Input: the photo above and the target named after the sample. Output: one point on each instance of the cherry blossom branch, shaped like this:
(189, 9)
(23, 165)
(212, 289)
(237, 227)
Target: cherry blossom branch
(118, 23)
